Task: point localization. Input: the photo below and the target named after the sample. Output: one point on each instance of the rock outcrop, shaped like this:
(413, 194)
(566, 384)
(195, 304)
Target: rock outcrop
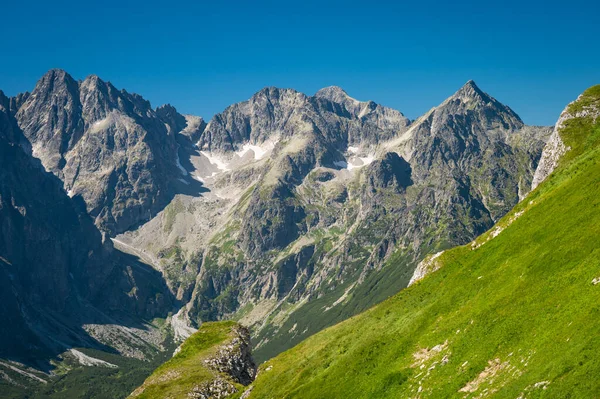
(235, 357)
(215, 362)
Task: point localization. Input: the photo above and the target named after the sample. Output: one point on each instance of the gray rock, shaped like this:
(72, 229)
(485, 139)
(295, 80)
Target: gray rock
(57, 272)
(108, 146)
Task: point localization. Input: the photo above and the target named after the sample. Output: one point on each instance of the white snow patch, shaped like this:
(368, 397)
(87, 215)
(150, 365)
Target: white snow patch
(180, 166)
(259, 151)
(352, 149)
(86, 360)
(70, 193)
(355, 162)
(215, 160)
(364, 162)
(102, 124)
(365, 110)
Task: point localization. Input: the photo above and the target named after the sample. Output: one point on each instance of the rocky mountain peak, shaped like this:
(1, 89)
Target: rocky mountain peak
(471, 92)
(174, 121)
(55, 82)
(56, 75)
(490, 113)
(89, 131)
(333, 93)
(273, 92)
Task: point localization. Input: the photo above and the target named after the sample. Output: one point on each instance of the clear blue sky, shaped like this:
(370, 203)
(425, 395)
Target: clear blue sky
(202, 56)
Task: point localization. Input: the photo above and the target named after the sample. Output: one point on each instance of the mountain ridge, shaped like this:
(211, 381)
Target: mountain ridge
(507, 315)
(307, 165)
(287, 212)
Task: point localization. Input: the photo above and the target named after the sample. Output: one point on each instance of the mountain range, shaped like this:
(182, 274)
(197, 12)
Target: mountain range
(126, 227)
(510, 314)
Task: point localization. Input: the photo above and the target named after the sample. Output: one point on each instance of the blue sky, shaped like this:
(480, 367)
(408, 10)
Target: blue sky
(203, 56)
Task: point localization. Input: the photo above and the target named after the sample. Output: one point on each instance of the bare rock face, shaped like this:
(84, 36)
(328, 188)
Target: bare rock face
(56, 269)
(373, 123)
(553, 150)
(215, 389)
(107, 146)
(235, 358)
(391, 171)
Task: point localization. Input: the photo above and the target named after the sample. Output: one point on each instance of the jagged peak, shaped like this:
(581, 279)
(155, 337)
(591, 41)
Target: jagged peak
(94, 81)
(334, 93)
(55, 75)
(331, 90)
(273, 91)
(166, 107)
(93, 78)
(56, 72)
(470, 90)
(470, 96)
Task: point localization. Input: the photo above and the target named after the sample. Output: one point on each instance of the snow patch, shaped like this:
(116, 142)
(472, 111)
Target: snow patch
(102, 124)
(180, 166)
(259, 151)
(365, 110)
(355, 162)
(215, 160)
(364, 161)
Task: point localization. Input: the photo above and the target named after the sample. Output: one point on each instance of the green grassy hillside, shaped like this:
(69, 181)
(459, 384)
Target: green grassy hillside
(516, 314)
(187, 373)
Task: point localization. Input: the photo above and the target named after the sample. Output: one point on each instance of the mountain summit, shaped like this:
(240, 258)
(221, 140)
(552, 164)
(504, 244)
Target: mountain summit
(107, 146)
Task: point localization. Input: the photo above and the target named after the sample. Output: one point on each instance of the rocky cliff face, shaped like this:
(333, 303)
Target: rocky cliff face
(57, 271)
(107, 146)
(309, 198)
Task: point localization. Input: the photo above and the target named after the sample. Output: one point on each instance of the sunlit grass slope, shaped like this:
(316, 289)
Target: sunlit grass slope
(177, 377)
(516, 314)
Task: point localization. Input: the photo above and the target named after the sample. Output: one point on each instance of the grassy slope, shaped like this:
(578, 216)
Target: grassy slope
(176, 378)
(518, 311)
